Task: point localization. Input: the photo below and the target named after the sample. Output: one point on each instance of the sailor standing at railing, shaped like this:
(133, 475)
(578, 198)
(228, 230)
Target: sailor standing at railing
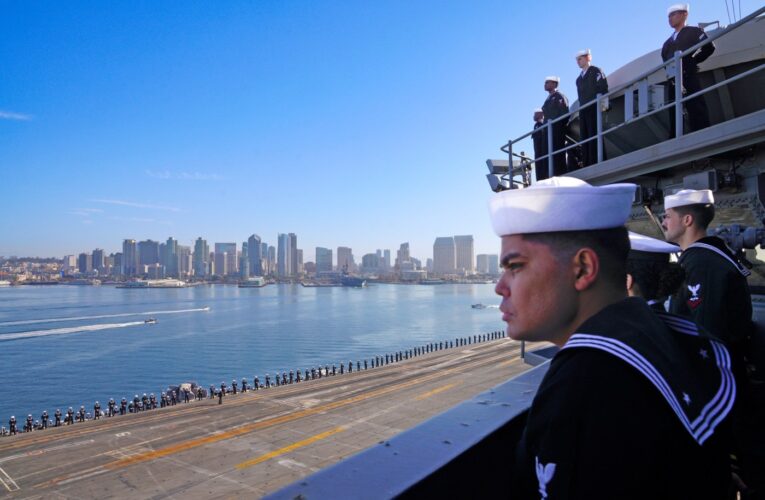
(681, 40)
(556, 105)
(540, 144)
(590, 82)
(635, 404)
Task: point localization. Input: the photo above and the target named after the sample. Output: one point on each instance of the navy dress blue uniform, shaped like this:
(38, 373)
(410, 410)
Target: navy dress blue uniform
(556, 105)
(540, 149)
(588, 85)
(635, 405)
(698, 116)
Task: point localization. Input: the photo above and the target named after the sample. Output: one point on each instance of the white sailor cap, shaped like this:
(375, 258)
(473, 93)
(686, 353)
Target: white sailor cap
(585, 52)
(688, 197)
(560, 204)
(643, 243)
(678, 7)
(538, 110)
(555, 79)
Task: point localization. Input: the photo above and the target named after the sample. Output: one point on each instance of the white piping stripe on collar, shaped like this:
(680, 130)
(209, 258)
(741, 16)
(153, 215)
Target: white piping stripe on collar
(742, 270)
(715, 410)
(679, 324)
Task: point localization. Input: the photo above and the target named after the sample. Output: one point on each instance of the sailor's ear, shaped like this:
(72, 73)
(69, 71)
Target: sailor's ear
(586, 264)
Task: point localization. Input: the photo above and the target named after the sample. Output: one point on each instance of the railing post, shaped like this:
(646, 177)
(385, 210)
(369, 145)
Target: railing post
(678, 94)
(550, 169)
(510, 162)
(598, 129)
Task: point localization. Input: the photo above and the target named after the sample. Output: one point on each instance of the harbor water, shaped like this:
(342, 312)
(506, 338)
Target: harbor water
(64, 346)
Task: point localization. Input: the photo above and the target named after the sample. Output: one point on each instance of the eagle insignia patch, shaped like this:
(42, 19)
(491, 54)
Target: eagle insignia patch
(694, 300)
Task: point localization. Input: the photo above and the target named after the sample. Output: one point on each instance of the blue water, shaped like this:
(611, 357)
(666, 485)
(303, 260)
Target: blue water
(64, 346)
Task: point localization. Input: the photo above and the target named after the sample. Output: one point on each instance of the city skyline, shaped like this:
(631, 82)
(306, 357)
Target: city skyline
(364, 126)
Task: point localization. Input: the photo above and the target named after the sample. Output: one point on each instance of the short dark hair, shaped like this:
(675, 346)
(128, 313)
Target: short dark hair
(656, 279)
(611, 245)
(702, 213)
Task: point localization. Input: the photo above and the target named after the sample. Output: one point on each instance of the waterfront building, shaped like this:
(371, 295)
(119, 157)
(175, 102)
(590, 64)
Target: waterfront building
(129, 258)
(255, 255)
(244, 261)
(493, 264)
(69, 264)
(402, 255)
(299, 261)
(148, 252)
(201, 256)
(370, 263)
(444, 255)
(482, 263)
(284, 258)
(345, 259)
(84, 263)
(98, 260)
(225, 259)
(465, 254)
(171, 258)
(323, 260)
(271, 259)
(293, 255)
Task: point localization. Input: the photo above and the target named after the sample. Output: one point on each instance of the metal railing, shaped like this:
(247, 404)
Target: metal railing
(674, 69)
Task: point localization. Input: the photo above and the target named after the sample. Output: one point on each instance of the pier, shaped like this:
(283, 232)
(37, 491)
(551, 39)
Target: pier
(255, 442)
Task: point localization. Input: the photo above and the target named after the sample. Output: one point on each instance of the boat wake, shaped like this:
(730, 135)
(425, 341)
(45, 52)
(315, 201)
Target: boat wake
(101, 316)
(64, 331)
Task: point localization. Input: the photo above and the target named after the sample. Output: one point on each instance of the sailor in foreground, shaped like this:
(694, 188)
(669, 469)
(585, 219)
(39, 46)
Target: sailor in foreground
(650, 274)
(591, 82)
(681, 40)
(634, 405)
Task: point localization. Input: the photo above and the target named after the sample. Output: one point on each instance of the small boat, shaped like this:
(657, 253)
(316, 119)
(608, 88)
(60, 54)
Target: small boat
(150, 321)
(478, 306)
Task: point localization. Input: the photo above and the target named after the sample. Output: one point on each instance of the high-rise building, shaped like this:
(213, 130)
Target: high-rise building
(482, 263)
(84, 263)
(402, 255)
(184, 261)
(148, 253)
(70, 263)
(493, 264)
(244, 261)
(386, 259)
(345, 259)
(266, 266)
(98, 260)
(117, 264)
(293, 255)
(129, 258)
(284, 257)
(254, 255)
(323, 260)
(225, 259)
(299, 270)
(371, 262)
(271, 259)
(444, 257)
(464, 252)
(171, 258)
(201, 255)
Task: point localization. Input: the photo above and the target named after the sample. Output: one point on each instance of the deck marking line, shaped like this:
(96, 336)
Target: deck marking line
(435, 391)
(8, 481)
(289, 448)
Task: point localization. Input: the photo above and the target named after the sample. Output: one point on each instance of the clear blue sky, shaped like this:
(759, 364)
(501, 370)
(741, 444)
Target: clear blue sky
(362, 124)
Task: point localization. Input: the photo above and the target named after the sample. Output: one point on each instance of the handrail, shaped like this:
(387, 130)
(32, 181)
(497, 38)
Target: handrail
(677, 102)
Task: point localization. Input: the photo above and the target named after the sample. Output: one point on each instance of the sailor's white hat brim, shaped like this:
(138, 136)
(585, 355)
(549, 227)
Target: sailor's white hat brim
(538, 110)
(555, 79)
(585, 52)
(678, 7)
(689, 197)
(560, 204)
(643, 243)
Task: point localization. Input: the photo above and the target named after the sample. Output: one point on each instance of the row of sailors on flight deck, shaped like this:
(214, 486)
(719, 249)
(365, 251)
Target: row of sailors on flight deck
(174, 396)
(592, 81)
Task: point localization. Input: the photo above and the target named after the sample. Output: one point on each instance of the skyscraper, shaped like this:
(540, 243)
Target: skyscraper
(463, 246)
(271, 259)
(184, 261)
(299, 269)
(444, 255)
(201, 251)
(293, 255)
(323, 260)
(493, 264)
(84, 263)
(284, 257)
(171, 258)
(244, 261)
(254, 255)
(129, 258)
(225, 259)
(148, 253)
(402, 255)
(386, 259)
(98, 260)
(345, 259)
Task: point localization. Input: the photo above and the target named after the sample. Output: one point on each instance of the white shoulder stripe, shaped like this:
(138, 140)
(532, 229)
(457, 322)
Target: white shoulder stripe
(739, 268)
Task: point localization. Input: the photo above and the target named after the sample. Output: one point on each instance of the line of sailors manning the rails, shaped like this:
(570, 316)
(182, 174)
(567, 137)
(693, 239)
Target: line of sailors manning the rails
(592, 81)
(186, 392)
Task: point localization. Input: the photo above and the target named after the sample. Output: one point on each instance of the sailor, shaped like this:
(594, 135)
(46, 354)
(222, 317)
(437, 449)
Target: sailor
(233, 386)
(145, 401)
(313, 373)
(3, 432)
(650, 274)
(681, 40)
(284, 378)
(244, 385)
(12, 426)
(97, 410)
(334, 370)
(307, 374)
(44, 419)
(162, 399)
(212, 391)
(111, 407)
(298, 377)
(276, 379)
(81, 414)
(221, 392)
(342, 368)
(123, 406)
(200, 393)
(365, 365)
(540, 145)
(590, 82)
(28, 424)
(57, 416)
(187, 395)
(350, 366)
(256, 382)
(563, 282)
(268, 380)
(292, 376)
(223, 387)
(555, 106)
(136, 400)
